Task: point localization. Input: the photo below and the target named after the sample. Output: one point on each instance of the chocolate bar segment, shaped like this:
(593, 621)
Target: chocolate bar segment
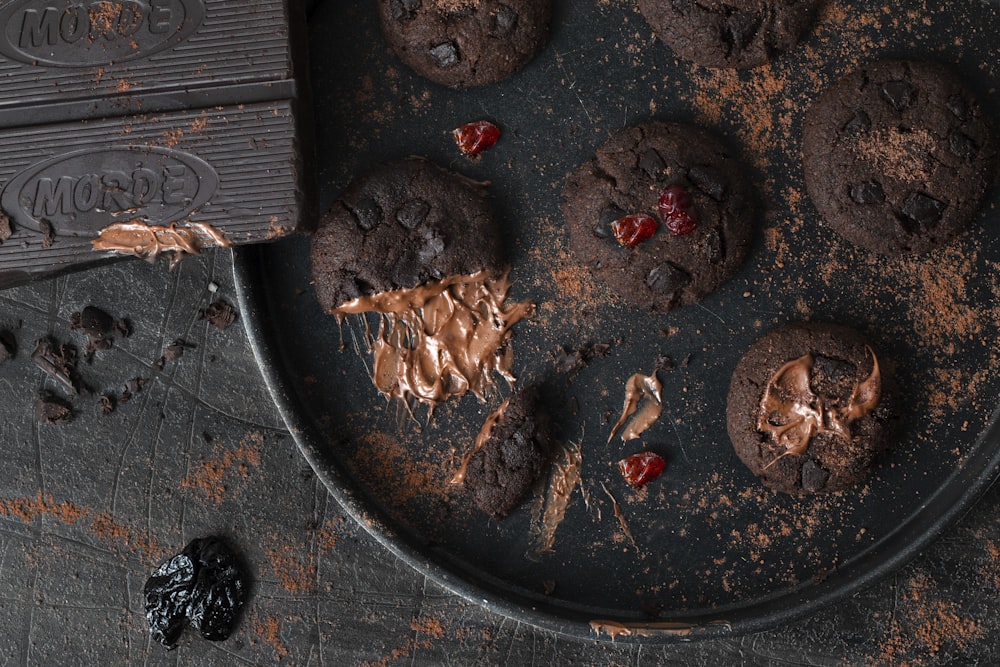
(180, 140)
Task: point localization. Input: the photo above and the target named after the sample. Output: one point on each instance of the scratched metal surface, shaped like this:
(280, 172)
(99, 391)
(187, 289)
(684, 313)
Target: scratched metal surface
(707, 545)
(88, 509)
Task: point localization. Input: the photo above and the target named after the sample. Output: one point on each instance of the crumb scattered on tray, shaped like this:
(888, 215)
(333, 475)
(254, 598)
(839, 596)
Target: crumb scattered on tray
(50, 409)
(220, 314)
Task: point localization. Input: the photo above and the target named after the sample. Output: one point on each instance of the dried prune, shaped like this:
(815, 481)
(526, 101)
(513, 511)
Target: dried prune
(204, 585)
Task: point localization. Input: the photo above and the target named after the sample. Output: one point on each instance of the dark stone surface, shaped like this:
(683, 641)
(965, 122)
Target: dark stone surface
(88, 509)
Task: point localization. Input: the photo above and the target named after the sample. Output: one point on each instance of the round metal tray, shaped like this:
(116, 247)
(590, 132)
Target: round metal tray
(708, 551)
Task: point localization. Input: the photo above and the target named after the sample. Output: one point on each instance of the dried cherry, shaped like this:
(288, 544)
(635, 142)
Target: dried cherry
(640, 468)
(474, 138)
(631, 230)
(677, 210)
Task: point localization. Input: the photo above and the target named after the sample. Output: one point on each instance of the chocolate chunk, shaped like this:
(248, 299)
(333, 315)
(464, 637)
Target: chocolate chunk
(403, 10)
(900, 94)
(53, 410)
(923, 209)
(219, 314)
(368, 214)
(667, 278)
(959, 107)
(445, 54)
(832, 377)
(8, 346)
(813, 476)
(433, 246)
(869, 192)
(407, 269)
(859, 123)
(739, 30)
(412, 213)
(708, 180)
(962, 145)
(652, 164)
(712, 244)
(608, 215)
(504, 21)
(92, 321)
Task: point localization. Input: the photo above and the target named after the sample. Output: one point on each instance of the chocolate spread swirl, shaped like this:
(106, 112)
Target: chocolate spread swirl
(643, 406)
(792, 415)
(442, 339)
(148, 241)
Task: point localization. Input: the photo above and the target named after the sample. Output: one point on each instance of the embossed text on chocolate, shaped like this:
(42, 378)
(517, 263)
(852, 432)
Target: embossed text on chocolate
(71, 33)
(78, 193)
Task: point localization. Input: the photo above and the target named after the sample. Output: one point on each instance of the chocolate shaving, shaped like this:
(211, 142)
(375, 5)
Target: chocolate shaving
(173, 352)
(132, 388)
(220, 314)
(643, 406)
(106, 404)
(59, 362)
(53, 410)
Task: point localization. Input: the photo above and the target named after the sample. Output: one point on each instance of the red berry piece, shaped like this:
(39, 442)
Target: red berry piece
(631, 230)
(474, 138)
(677, 210)
(641, 468)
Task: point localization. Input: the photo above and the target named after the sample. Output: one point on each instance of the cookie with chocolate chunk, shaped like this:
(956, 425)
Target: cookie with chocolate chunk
(511, 453)
(897, 156)
(729, 33)
(462, 43)
(663, 214)
(808, 409)
(403, 224)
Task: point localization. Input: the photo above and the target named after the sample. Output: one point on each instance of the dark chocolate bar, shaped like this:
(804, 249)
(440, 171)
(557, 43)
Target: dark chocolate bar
(149, 127)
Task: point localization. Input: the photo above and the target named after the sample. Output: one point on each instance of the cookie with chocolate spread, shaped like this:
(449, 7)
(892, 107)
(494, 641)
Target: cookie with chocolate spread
(402, 224)
(462, 43)
(511, 453)
(663, 214)
(807, 409)
(897, 156)
(729, 33)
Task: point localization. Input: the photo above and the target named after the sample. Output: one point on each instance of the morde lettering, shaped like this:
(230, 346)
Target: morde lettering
(112, 20)
(38, 29)
(52, 199)
(113, 191)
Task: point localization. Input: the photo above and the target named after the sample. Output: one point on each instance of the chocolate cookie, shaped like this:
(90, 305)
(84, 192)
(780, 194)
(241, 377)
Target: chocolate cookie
(897, 156)
(662, 214)
(511, 453)
(729, 33)
(462, 43)
(401, 225)
(807, 408)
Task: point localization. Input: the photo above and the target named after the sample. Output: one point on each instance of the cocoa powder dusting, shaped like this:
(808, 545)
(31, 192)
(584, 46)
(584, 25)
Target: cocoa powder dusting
(208, 479)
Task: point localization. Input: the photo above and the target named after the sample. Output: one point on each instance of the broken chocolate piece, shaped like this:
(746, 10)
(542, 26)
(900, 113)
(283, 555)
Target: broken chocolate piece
(219, 314)
(445, 54)
(900, 94)
(59, 362)
(205, 585)
(132, 388)
(50, 409)
(106, 404)
(173, 352)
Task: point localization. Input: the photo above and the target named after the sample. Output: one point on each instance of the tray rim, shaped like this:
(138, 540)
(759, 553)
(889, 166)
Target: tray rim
(948, 503)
